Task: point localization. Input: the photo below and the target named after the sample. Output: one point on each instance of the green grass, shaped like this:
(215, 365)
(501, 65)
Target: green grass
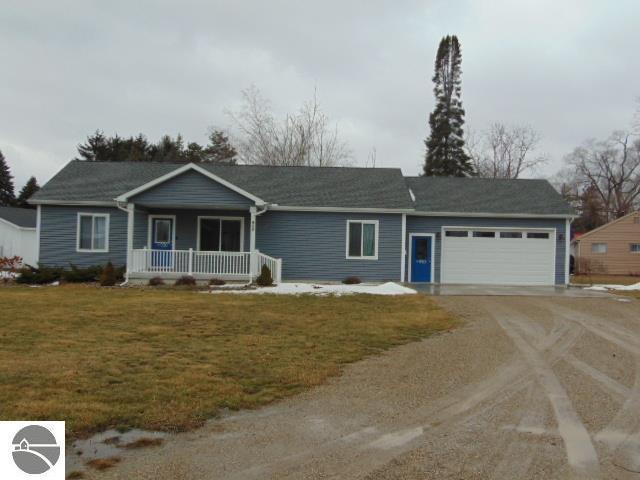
(168, 360)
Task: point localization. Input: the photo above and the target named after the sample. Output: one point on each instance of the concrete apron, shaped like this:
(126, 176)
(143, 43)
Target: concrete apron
(503, 290)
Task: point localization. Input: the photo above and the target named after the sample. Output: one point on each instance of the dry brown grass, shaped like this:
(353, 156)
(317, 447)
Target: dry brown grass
(103, 463)
(76, 474)
(604, 279)
(167, 360)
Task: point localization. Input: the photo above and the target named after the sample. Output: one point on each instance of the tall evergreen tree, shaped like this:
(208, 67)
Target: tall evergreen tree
(7, 193)
(27, 191)
(220, 149)
(445, 156)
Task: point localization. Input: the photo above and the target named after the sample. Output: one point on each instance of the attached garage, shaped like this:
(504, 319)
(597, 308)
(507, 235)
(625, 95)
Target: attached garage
(487, 231)
(501, 256)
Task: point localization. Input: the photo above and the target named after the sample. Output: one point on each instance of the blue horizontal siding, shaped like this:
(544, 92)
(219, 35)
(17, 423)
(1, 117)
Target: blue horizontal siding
(191, 188)
(58, 237)
(435, 224)
(312, 245)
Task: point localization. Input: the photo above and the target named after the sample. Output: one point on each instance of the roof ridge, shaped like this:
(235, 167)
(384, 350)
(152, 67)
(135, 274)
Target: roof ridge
(478, 178)
(244, 165)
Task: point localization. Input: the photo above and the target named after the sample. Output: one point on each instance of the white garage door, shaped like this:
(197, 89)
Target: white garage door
(498, 256)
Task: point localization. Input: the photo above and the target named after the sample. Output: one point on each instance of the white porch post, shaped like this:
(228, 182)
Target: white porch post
(252, 244)
(403, 253)
(130, 225)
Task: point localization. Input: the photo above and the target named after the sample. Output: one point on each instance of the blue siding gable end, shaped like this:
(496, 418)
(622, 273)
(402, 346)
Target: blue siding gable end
(192, 188)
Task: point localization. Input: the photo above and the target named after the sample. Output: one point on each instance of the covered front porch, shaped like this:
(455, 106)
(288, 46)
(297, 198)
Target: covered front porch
(205, 243)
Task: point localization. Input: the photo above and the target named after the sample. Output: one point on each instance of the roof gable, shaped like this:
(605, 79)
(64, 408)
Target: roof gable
(627, 218)
(155, 183)
(190, 188)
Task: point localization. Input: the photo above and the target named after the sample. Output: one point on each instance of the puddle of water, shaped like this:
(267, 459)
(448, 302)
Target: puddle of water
(109, 443)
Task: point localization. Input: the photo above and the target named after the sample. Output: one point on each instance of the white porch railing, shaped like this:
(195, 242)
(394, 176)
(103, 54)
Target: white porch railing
(274, 264)
(234, 265)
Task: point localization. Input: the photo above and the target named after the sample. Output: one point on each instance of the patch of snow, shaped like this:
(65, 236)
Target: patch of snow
(389, 288)
(5, 274)
(605, 287)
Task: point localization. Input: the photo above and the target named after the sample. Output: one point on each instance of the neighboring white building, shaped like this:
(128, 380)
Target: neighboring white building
(18, 235)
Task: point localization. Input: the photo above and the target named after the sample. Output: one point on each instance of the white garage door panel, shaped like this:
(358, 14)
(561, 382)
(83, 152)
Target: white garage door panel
(498, 261)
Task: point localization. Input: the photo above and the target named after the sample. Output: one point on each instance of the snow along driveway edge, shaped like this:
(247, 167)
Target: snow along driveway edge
(389, 288)
(604, 287)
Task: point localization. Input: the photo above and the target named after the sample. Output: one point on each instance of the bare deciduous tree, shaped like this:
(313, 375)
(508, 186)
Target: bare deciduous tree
(304, 138)
(611, 168)
(505, 151)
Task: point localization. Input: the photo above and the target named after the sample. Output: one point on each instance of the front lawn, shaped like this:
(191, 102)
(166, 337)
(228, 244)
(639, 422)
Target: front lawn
(168, 360)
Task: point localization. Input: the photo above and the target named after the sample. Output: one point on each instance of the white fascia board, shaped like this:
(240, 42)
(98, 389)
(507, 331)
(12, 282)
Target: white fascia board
(340, 209)
(189, 166)
(492, 215)
(79, 203)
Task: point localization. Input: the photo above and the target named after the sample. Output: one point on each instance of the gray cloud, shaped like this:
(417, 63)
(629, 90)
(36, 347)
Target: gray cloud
(567, 68)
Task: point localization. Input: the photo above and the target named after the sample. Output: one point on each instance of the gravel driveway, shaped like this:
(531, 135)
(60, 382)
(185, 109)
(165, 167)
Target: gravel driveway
(530, 387)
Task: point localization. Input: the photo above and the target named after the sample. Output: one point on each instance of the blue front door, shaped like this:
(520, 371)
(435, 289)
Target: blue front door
(162, 242)
(421, 258)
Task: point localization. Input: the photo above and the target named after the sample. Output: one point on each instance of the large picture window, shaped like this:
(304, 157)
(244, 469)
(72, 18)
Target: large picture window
(362, 239)
(93, 232)
(220, 234)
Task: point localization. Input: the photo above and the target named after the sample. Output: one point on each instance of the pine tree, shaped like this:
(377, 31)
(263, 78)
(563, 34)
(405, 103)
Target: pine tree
(7, 193)
(27, 191)
(220, 149)
(445, 154)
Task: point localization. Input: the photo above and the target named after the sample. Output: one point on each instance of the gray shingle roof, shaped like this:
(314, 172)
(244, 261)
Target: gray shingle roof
(287, 186)
(22, 217)
(487, 195)
(321, 187)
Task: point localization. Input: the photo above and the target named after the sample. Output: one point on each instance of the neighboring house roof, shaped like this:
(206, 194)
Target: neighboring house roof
(487, 195)
(20, 217)
(580, 237)
(338, 187)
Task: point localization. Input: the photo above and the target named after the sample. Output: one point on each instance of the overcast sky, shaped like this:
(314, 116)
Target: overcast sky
(568, 68)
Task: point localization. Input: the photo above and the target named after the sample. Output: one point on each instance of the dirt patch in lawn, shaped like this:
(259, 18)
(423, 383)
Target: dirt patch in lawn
(168, 360)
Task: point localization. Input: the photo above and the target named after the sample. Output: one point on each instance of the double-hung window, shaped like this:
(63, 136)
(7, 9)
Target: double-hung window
(362, 239)
(93, 232)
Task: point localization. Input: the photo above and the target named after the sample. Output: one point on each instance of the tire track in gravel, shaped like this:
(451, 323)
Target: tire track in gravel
(581, 454)
(441, 415)
(508, 381)
(622, 434)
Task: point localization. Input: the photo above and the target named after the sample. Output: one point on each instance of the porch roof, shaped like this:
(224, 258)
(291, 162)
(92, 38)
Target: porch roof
(339, 187)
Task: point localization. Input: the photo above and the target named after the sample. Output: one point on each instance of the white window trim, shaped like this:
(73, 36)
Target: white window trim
(606, 248)
(241, 219)
(150, 229)
(433, 254)
(93, 215)
(376, 224)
